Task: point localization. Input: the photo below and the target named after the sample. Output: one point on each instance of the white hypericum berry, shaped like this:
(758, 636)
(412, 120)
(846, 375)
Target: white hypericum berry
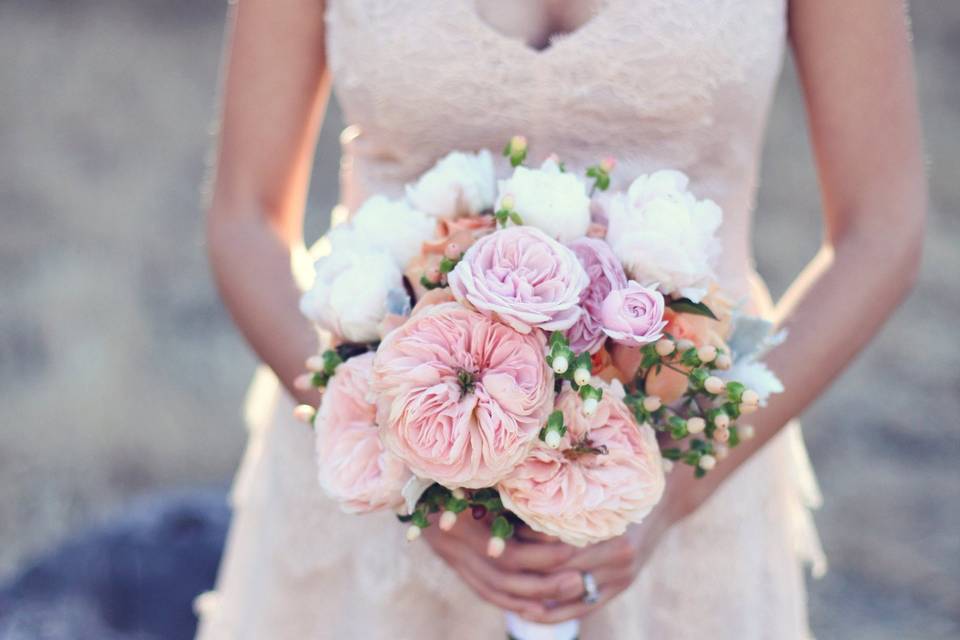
(560, 364)
(723, 362)
(507, 202)
(707, 462)
(590, 406)
(459, 494)
(721, 451)
(747, 408)
(684, 344)
(664, 347)
(747, 432)
(714, 385)
(696, 424)
(304, 413)
(707, 353)
(722, 421)
(413, 533)
(496, 546)
(608, 163)
(667, 465)
(315, 363)
(553, 438)
(303, 382)
(750, 397)
(652, 403)
(447, 520)
(581, 376)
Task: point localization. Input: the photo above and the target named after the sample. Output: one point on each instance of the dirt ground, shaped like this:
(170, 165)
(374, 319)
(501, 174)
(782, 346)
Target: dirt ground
(120, 372)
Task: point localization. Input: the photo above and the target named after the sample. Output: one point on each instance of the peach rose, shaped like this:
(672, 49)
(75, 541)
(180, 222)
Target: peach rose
(701, 330)
(354, 468)
(461, 397)
(583, 496)
(462, 232)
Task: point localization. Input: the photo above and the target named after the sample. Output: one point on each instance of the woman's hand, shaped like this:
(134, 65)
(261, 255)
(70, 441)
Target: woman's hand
(616, 563)
(524, 580)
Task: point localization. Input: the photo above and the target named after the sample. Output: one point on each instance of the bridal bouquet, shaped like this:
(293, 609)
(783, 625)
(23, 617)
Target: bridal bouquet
(536, 351)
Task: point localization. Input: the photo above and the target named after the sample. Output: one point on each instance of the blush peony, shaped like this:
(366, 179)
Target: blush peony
(459, 184)
(549, 199)
(633, 314)
(604, 275)
(662, 233)
(460, 397)
(354, 468)
(523, 278)
(583, 497)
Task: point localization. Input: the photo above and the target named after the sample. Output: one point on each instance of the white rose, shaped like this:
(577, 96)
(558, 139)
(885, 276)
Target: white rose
(390, 225)
(662, 233)
(550, 200)
(459, 184)
(350, 294)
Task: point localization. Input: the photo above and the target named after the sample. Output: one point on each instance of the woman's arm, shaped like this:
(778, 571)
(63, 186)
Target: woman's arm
(276, 90)
(274, 96)
(855, 64)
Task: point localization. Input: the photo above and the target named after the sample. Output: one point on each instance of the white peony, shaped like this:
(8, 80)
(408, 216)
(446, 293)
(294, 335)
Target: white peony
(549, 199)
(350, 294)
(662, 233)
(459, 184)
(389, 225)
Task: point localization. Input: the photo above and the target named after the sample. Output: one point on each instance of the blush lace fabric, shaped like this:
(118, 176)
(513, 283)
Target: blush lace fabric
(680, 84)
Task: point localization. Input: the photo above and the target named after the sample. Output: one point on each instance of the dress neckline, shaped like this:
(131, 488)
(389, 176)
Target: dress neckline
(555, 41)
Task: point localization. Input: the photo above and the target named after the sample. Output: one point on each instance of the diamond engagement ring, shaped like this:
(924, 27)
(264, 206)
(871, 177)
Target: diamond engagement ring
(591, 594)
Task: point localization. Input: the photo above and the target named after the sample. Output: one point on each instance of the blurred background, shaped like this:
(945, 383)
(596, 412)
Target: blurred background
(122, 379)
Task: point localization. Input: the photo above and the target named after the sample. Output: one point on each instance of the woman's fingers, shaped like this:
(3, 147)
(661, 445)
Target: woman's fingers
(617, 552)
(526, 608)
(556, 587)
(579, 609)
(535, 556)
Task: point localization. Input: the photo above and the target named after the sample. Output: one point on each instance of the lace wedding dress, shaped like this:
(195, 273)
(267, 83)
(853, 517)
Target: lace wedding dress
(678, 84)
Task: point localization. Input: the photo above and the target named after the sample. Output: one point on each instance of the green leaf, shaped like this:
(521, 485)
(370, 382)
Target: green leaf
(447, 265)
(501, 528)
(734, 436)
(419, 518)
(429, 286)
(456, 505)
(686, 305)
(689, 358)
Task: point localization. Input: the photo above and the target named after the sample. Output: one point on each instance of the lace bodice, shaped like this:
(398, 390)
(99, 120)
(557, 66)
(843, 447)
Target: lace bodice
(678, 84)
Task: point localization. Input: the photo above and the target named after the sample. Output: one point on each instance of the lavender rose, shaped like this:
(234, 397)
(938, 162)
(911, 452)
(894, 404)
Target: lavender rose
(605, 275)
(522, 277)
(633, 315)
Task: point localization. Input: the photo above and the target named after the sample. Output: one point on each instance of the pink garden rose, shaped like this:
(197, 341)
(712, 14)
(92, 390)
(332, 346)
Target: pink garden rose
(633, 315)
(522, 277)
(604, 274)
(583, 497)
(355, 469)
(460, 397)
